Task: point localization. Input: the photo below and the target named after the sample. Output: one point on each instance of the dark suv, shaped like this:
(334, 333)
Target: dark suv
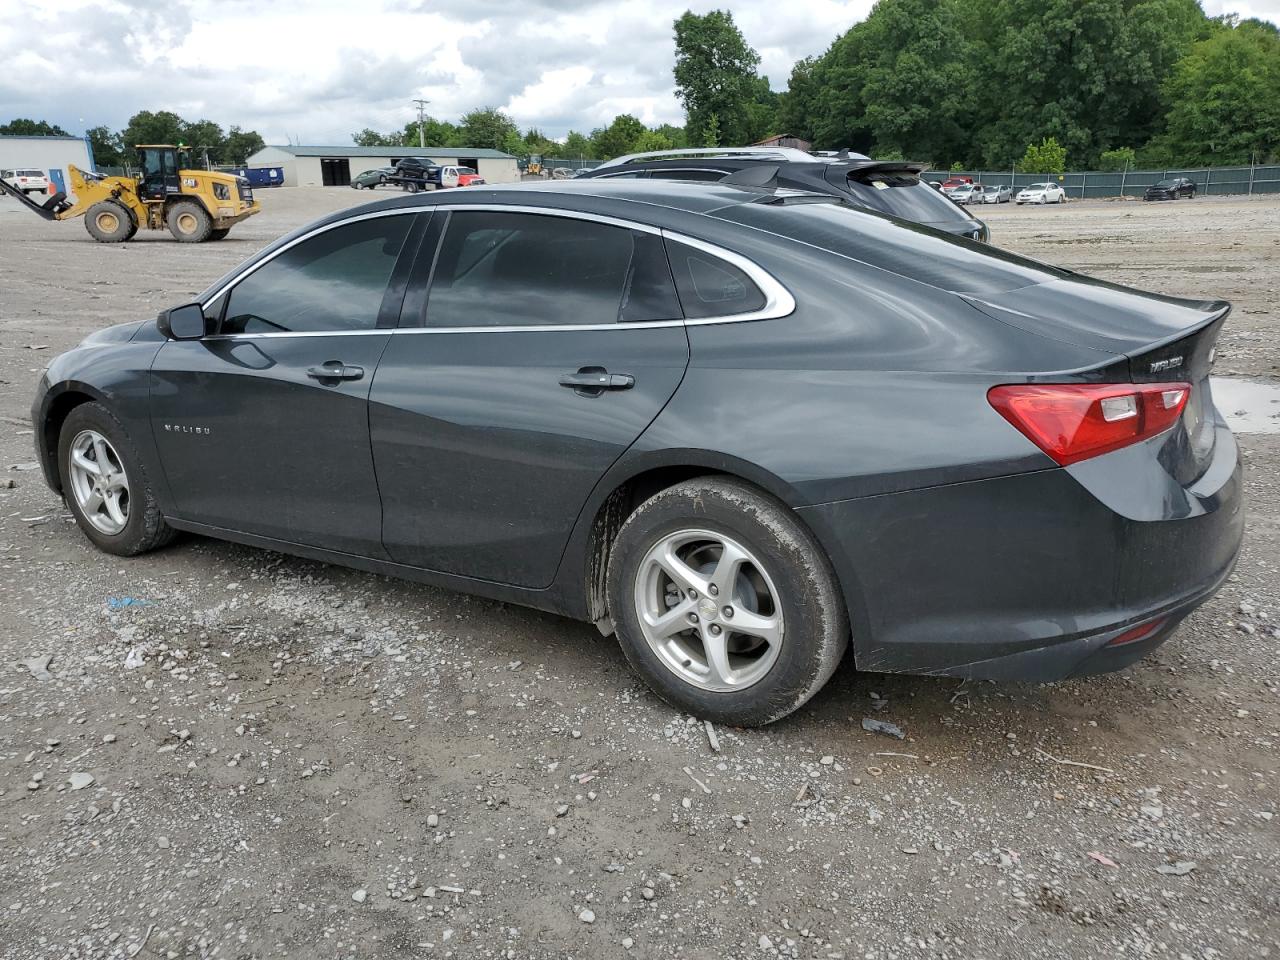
(886, 186)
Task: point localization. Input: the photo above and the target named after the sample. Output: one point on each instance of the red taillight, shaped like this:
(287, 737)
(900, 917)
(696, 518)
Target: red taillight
(1140, 632)
(1074, 421)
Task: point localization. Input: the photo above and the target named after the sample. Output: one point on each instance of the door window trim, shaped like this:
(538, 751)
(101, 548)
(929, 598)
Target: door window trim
(778, 301)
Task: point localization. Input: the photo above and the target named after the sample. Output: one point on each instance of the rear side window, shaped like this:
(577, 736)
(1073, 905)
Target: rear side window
(520, 269)
(334, 281)
(906, 249)
(709, 286)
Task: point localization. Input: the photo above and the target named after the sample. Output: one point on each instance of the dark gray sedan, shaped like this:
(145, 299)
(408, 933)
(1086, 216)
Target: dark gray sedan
(745, 431)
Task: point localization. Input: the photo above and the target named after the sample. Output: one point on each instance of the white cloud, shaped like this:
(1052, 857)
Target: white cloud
(318, 71)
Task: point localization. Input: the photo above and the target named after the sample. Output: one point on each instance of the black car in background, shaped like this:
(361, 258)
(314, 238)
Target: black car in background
(1171, 189)
(886, 186)
(746, 431)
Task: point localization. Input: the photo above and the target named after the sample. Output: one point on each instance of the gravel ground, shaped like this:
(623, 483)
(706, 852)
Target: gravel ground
(239, 754)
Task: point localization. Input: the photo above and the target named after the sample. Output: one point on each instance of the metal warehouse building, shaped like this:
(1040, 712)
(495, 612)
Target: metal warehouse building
(335, 166)
(51, 155)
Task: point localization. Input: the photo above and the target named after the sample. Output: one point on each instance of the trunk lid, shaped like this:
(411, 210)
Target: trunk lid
(1161, 340)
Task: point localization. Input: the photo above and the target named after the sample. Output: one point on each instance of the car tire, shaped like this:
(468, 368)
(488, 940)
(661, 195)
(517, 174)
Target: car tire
(782, 584)
(189, 222)
(144, 528)
(358, 186)
(411, 187)
(109, 221)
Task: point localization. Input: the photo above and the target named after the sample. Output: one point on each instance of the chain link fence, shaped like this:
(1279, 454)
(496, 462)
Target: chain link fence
(1095, 184)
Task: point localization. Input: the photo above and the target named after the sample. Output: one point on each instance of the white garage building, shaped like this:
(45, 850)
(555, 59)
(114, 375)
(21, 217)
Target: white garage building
(335, 166)
(50, 155)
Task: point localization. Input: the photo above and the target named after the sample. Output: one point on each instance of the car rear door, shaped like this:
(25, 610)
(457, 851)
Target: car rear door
(263, 427)
(534, 348)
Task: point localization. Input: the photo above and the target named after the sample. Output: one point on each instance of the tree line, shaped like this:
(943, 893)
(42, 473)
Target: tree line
(975, 83)
(1094, 84)
(115, 148)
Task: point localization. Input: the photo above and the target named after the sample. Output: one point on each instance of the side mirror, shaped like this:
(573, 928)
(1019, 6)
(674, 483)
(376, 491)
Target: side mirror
(182, 323)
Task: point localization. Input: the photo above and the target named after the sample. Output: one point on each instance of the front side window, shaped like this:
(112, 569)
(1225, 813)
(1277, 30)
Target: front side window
(518, 269)
(334, 281)
(709, 286)
(698, 176)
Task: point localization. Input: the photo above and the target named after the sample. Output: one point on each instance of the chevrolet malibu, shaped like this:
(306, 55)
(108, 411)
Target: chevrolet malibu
(745, 432)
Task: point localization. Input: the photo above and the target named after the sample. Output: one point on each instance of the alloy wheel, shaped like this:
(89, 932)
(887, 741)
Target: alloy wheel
(98, 482)
(709, 610)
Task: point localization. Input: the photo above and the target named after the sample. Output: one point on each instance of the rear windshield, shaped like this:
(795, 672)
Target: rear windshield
(905, 196)
(906, 249)
(31, 173)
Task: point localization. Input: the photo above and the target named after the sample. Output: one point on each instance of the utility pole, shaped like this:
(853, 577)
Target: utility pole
(422, 116)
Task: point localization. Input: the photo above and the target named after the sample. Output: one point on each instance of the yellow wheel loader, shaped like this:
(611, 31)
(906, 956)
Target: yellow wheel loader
(194, 205)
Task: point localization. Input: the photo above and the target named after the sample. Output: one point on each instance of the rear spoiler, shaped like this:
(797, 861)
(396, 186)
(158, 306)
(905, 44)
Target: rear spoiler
(857, 169)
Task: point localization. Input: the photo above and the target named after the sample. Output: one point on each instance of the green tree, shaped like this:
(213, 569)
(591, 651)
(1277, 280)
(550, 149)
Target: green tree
(677, 135)
(618, 138)
(652, 140)
(22, 127)
(372, 138)
(715, 74)
(205, 138)
(147, 127)
(577, 146)
(1087, 72)
(798, 106)
(435, 133)
(899, 81)
(1047, 156)
(106, 147)
(1225, 99)
(711, 132)
(536, 142)
(1121, 158)
(240, 145)
(486, 127)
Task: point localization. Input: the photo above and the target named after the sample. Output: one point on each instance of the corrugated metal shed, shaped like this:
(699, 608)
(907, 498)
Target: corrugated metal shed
(405, 151)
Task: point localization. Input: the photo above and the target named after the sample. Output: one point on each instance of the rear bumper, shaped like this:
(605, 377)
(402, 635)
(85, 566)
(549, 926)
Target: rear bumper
(1025, 577)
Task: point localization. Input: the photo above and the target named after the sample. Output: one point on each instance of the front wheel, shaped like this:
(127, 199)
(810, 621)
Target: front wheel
(358, 186)
(106, 486)
(109, 221)
(725, 603)
(189, 222)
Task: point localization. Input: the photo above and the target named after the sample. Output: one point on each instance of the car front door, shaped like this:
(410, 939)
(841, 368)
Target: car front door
(543, 348)
(262, 425)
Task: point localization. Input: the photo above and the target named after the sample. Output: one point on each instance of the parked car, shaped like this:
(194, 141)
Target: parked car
(27, 180)
(741, 430)
(372, 178)
(967, 193)
(887, 186)
(1041, 193)
(455, 176)
(413, 174)
(1171, 189)
(996, 193)
(954, 183)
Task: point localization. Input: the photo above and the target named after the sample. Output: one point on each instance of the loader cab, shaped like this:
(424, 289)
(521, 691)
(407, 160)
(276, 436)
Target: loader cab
(159, 172)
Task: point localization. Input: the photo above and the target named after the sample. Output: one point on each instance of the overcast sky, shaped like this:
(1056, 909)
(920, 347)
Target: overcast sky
(315, 71)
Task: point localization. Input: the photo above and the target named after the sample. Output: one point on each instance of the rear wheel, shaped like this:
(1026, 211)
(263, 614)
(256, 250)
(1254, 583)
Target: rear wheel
(106, 486)
(189, 222)
(411, 187)
(725, 603)
(110, 222)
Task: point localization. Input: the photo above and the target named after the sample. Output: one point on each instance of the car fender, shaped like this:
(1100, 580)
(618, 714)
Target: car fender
(115, 374)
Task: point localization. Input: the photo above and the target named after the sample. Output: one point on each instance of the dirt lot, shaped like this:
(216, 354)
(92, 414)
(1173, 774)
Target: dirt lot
(293, 760)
